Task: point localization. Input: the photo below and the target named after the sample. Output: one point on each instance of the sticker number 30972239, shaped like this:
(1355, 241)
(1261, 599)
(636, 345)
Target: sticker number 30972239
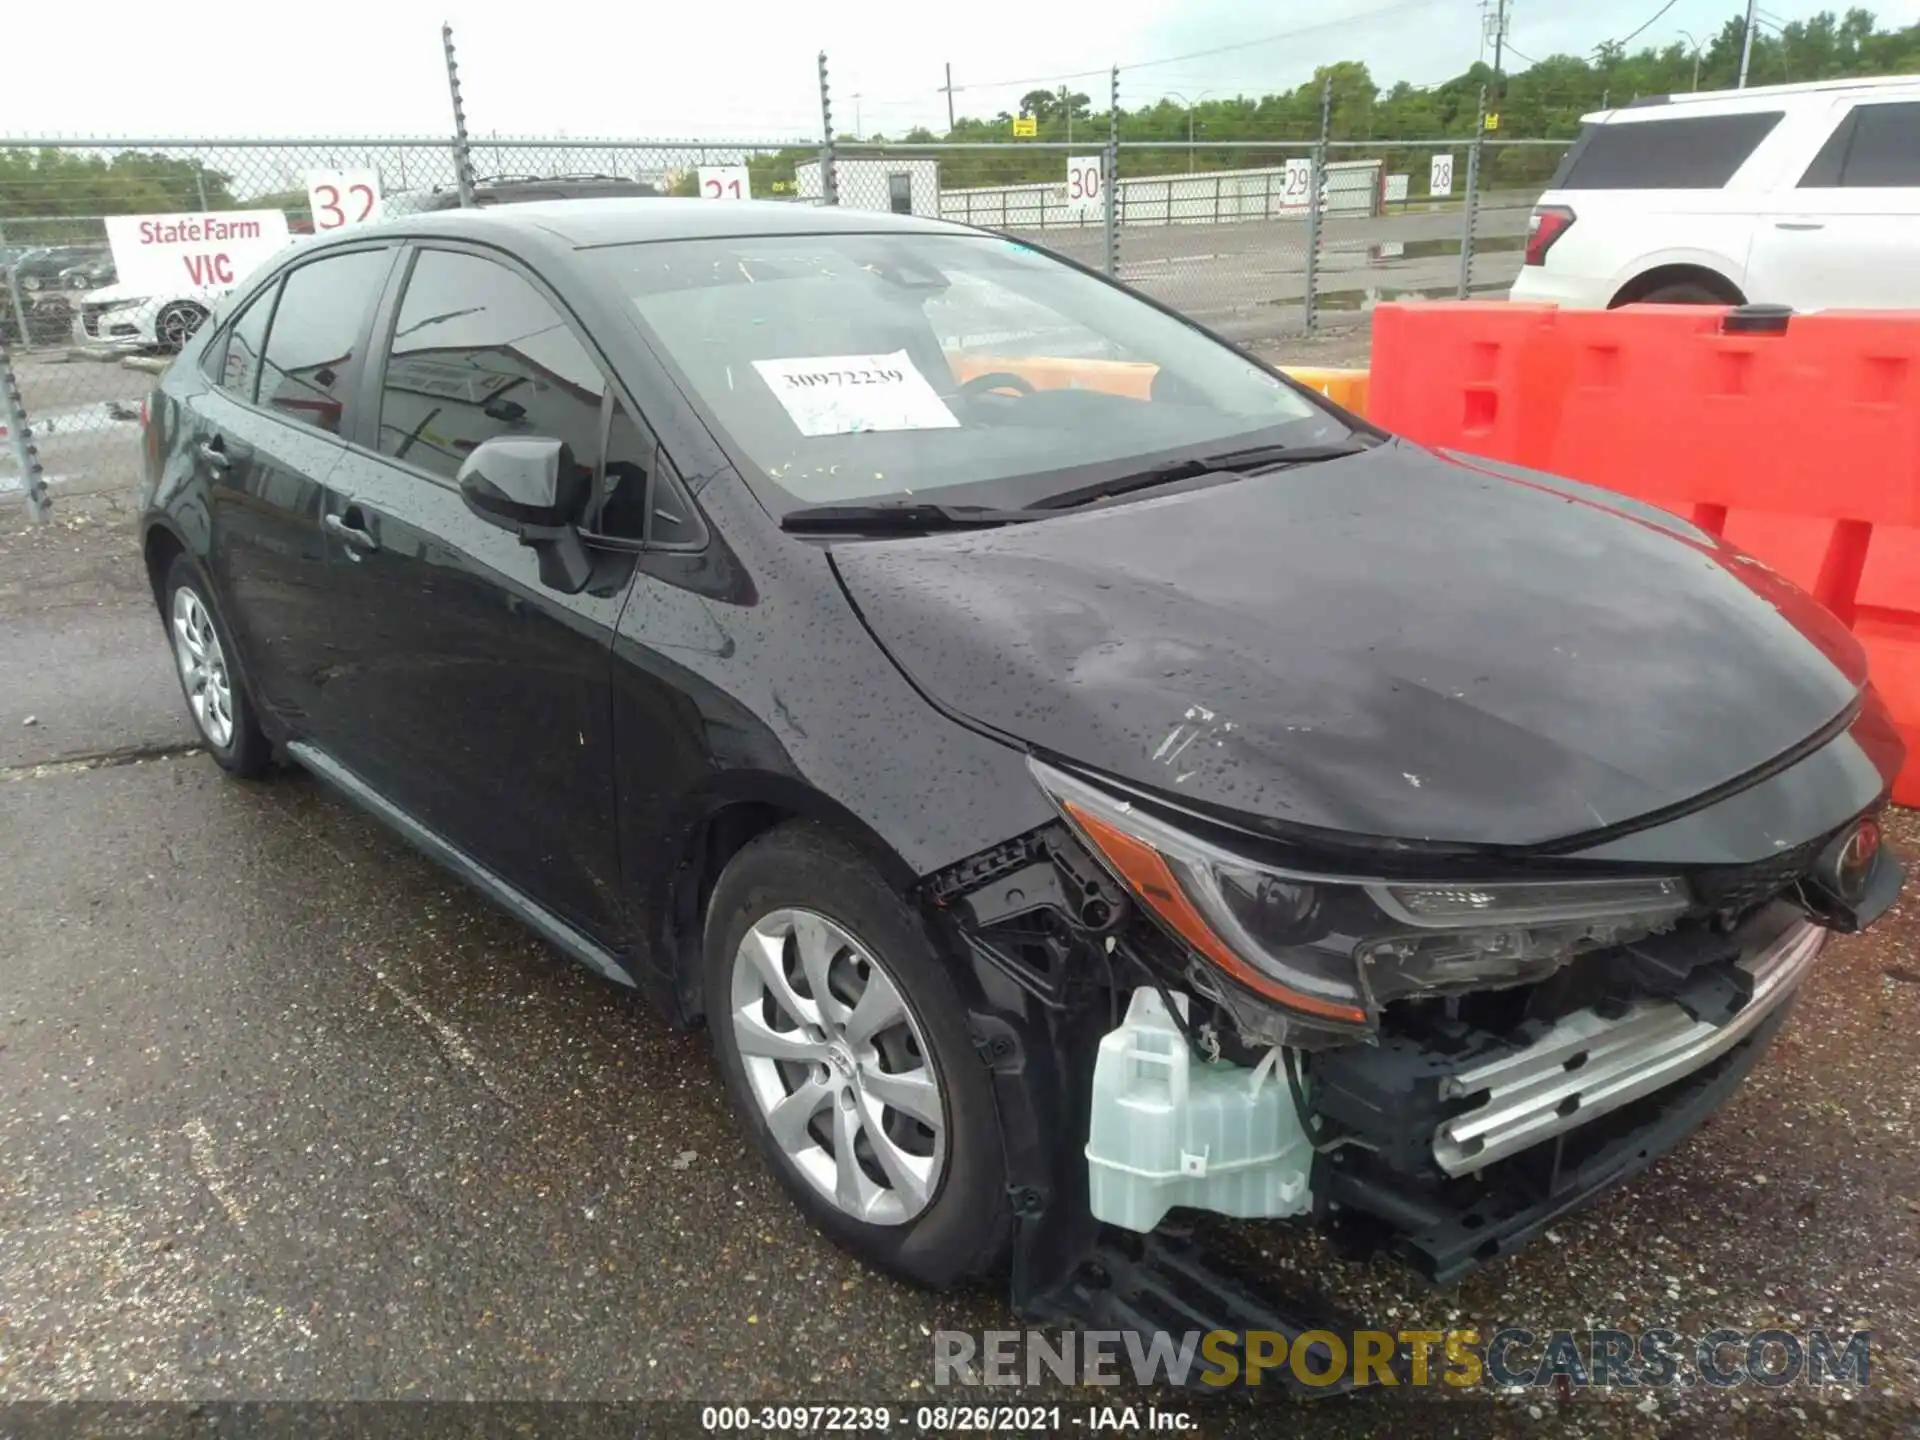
(846, 394)
(809, 379)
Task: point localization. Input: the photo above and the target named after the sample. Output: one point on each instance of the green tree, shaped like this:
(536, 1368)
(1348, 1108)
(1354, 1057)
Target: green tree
(1544, 100)
(53, 182)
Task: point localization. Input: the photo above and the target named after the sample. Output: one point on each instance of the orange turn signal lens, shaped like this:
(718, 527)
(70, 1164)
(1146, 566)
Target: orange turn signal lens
(1147, 874)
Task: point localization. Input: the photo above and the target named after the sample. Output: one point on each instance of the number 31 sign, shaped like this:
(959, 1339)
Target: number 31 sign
(725, 182)
(339, 198)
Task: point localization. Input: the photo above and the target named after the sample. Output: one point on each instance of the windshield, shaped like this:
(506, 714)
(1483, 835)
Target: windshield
(948, 367)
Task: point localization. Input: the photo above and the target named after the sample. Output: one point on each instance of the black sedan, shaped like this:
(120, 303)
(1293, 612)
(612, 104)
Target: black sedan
(42, 269)
(1074, 772)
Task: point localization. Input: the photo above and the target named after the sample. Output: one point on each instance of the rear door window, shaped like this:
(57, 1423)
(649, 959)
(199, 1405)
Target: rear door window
(313, 355)
(1700, 152)
(1876, 147)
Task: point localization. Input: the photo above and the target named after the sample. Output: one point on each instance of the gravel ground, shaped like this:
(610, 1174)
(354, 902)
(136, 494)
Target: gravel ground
(1337, 344)
(287, 1113)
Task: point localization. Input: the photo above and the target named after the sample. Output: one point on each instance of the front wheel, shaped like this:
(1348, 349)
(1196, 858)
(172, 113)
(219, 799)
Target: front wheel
(1684, 292)
(203, 659)
(843, 1042)
(175, 326)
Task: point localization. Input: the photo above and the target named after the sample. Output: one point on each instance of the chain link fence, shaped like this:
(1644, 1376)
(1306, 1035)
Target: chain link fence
(82, 341)
(1509, 178)
(1259, 240)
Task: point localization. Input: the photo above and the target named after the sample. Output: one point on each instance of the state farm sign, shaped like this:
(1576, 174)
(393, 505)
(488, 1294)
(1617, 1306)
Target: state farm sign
(160, 254)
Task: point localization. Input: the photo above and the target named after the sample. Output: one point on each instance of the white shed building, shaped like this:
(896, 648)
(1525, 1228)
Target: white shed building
(905, 185)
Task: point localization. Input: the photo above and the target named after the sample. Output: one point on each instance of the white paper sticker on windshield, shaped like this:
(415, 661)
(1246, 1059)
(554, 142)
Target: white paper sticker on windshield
(845, 394)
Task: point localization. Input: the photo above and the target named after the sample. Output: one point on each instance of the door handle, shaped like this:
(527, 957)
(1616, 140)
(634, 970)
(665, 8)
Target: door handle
(1799, 224)
(215, 455)
(352, 531)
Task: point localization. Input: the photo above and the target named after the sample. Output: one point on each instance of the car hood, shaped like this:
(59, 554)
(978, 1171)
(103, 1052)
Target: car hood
(1402, 645)
(120, 293)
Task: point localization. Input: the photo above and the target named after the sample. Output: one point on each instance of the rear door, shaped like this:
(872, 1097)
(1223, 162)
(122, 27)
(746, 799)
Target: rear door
(467, 693)
(1656, 186)
(1844, 232)
(266, 436)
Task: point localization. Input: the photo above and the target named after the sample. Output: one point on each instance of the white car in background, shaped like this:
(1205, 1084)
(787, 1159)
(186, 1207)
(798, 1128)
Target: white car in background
(1801, 195)
(125, 315)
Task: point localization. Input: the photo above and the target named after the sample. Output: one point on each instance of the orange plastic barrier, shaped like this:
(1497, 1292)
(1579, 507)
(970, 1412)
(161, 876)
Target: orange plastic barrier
(1346, 388)
(1134, 378)
(1801, 447)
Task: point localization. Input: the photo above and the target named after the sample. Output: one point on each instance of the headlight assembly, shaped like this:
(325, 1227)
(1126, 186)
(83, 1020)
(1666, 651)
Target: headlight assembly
(1334, 947)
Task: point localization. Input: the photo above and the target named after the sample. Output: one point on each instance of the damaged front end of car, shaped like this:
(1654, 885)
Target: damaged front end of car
(1432, 1055)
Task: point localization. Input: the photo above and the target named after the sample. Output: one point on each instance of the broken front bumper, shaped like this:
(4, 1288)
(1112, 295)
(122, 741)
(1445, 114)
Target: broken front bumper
(1450, 1149)
(1587, 1066)
(1458, 1159)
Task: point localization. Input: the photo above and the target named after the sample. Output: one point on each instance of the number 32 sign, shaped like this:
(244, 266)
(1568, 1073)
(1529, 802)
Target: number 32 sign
(339, 198)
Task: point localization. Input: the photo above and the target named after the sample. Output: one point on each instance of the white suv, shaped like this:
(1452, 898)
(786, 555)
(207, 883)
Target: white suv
(1801, 195)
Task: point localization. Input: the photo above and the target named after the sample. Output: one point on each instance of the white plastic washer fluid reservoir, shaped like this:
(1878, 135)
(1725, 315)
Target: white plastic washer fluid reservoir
(1170, 1129)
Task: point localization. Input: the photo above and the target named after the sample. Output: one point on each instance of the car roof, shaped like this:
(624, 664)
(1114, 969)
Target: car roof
(1754, 97)
(633, 220)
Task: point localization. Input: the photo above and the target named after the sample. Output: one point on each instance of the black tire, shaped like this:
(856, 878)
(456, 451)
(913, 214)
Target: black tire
(246, 751)
(967, 1224)
(1683, 292)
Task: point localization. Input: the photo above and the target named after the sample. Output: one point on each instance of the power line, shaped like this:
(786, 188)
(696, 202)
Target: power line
(1343, 22)
(1635, 34)
(1029, 80)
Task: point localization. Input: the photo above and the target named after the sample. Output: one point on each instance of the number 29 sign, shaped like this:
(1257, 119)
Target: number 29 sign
(339, 198)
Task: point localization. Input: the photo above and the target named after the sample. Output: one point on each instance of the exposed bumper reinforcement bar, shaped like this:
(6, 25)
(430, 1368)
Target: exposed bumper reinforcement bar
(1588, 1065)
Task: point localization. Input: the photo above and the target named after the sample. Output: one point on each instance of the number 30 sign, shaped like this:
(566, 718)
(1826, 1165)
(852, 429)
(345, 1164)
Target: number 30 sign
(339, 198)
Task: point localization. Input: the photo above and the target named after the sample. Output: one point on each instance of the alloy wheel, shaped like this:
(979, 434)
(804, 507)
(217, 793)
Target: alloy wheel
(203, 667)
(839, 1066)
(176, 326)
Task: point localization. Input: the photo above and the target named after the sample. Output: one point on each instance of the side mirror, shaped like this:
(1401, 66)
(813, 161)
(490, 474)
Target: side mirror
(534, 488)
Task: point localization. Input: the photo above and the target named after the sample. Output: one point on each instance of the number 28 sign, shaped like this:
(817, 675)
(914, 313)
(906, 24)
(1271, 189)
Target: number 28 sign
(339, 198)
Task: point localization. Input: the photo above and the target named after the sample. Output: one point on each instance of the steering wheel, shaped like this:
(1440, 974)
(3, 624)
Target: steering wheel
(996, 380)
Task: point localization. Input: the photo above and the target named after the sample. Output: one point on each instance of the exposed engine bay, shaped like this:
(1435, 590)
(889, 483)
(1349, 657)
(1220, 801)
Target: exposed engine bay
(1489, 1078)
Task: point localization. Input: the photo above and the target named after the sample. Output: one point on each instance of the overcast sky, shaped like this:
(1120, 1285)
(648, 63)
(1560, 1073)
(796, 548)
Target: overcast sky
(729, 68)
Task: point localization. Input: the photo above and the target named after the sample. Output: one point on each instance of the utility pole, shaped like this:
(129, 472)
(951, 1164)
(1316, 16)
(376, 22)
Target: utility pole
(1746, 45)
(1500, 42)
(858, 129)
(948, 87)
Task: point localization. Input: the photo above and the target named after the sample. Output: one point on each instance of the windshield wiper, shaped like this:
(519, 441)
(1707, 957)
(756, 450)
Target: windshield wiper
(1225, 462)
(1260, 457)
(897, 515)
